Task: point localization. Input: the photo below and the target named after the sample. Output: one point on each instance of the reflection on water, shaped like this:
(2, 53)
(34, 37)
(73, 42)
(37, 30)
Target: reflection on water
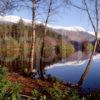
(73, 72)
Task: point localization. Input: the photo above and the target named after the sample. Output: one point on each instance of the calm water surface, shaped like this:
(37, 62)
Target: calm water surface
(73, 72)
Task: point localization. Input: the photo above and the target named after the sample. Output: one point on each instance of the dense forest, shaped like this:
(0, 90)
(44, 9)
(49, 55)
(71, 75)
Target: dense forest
(16, 37)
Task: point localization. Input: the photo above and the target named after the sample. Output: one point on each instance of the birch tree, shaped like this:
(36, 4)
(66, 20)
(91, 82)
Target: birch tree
(95, 25)
(33, 5)
(49, 11)
(32, 54)
(91, 8)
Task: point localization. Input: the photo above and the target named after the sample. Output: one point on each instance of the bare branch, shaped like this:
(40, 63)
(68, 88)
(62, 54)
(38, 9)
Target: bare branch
(89, 15)
(7, 5)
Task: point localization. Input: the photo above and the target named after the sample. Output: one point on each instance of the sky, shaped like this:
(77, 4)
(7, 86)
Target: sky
(66, 16)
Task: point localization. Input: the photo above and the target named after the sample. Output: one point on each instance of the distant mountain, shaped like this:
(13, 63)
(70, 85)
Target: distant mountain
(13, 19)
(75, 33)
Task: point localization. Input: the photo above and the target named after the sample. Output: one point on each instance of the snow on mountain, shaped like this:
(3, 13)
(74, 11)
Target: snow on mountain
(74, 33)
(74, 28)
(15, 19)
(92, 33)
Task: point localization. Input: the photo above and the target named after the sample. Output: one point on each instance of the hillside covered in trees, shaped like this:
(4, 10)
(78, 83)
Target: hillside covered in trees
(16, 39)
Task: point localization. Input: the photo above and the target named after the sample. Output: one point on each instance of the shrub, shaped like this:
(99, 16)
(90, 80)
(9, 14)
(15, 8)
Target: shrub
(57, 50)
(66, 50)
(7, 89)
(24, 49)
(9, 48)
(4, 84)
(53, 79)
(87, 47)
(56, 93)
(53, 93)
(73, 95)
(15, 89)
(37, 95)
(49, 52)
(95, 95)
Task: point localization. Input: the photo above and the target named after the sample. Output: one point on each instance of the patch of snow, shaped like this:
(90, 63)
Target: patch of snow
(92, 33)
(15, 19)
(73, 28)
(9, 19)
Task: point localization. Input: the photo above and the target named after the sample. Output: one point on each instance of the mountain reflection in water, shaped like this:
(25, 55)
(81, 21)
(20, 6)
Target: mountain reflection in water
(72, 72)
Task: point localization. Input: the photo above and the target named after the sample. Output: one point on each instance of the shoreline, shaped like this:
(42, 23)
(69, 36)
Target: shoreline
(72, 63)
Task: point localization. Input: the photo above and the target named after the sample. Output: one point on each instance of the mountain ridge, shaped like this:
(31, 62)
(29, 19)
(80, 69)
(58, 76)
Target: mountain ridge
(74, 33)
(15, 19)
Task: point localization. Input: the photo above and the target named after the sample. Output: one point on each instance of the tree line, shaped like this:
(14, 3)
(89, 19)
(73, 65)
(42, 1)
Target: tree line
(49, 7)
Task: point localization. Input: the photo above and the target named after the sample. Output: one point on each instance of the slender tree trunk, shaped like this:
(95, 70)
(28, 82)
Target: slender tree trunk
(32, 54)
(95, 27)
(42, 53)
(83, 77)
(44, 36)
